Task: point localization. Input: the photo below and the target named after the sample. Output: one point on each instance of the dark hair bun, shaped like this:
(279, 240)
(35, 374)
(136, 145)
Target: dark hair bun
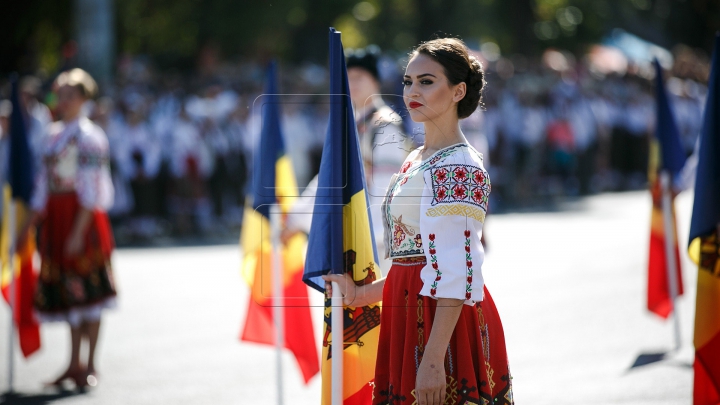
(365, 59)
(459, 66)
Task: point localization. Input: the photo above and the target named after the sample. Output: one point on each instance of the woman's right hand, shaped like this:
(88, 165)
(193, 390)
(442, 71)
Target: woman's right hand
(348, 289)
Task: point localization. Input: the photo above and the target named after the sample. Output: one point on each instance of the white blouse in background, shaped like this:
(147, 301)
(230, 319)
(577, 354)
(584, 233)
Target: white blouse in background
(75, 159)
(436, 208)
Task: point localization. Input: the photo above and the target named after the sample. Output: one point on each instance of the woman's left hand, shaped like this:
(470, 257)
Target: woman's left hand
(430, 384)
(74, 244)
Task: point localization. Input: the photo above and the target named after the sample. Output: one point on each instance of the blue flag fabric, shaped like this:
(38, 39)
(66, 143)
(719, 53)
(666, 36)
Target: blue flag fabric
(706, 207)
(270, 148)
(341, 176)
(671, 150)
(20, 169)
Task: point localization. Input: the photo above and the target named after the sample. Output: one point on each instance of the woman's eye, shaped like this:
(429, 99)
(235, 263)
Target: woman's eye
(426, 82)
(406, 82)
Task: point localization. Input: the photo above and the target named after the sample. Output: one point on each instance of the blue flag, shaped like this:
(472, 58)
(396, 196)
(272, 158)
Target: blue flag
(20, 170)
(270, 149)
(706, 206)
(341, 178)
(274, 183)
(703, 249)
(341, 240)
(671, 150)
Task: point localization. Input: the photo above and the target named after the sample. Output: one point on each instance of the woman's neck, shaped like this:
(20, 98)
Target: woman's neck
(71, 117)
(441, 133)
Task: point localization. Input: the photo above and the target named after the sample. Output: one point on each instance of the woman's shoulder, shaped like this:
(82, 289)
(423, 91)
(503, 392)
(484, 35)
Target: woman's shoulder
(92, 135)
(459, 154)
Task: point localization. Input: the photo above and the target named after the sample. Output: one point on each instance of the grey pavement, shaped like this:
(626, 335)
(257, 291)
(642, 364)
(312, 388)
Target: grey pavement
(570, 287)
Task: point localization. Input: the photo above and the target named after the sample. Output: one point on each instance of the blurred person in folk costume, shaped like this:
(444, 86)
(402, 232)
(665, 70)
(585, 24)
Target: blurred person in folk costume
(190, 166)
(383, 145)
(138, 154)
(441, 340)
(73, 191)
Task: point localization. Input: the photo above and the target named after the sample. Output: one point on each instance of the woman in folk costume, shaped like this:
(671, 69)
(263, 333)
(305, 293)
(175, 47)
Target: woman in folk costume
(383, 144)
(73, 191)
(441, 339)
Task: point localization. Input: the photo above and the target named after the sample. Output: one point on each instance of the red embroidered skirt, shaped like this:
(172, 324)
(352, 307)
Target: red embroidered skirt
(79, 281)
(476, 363)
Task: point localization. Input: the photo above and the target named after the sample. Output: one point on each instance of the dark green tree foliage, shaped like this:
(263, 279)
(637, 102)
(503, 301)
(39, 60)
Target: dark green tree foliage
(174, 32)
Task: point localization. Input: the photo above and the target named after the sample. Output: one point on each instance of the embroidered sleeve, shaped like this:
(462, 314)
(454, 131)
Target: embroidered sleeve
(94, 184)
(452, 214)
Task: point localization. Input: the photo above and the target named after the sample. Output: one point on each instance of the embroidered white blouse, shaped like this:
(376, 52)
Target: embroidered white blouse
(75, 158)
(436, 208)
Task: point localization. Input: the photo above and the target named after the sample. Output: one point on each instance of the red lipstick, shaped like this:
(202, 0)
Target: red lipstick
(414, 104)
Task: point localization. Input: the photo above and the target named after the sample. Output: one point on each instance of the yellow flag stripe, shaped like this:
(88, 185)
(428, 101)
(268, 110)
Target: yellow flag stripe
(359, 360)
(707, 317)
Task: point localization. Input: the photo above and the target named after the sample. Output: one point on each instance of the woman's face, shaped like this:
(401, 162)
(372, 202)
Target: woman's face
(362, 86)
(69, 102)
(427, 92)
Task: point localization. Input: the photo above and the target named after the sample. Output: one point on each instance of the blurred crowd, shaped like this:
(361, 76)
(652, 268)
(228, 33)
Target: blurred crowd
(182, 146)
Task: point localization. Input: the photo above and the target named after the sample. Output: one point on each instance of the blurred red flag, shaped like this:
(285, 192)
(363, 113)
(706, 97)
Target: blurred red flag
(274, 183)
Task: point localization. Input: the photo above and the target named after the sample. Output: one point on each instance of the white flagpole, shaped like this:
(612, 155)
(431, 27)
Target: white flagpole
(278, 313)
(13, 296)
(669, 230)
(338, 343)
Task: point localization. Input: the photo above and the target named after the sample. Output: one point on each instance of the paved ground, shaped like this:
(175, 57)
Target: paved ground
(570, 287)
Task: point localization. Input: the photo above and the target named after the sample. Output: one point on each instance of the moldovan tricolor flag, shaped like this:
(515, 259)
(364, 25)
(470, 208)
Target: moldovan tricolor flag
(705, 246)
(666, 153)
(18, 191)
(274, 183)
(341, 240)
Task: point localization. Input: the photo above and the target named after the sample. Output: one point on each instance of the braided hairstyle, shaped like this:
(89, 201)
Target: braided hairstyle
(459, 66)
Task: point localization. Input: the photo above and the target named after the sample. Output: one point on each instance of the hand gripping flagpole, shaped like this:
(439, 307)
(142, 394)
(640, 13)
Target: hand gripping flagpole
(338, 343)
(13, 296)
(278, 305)
(670, 258)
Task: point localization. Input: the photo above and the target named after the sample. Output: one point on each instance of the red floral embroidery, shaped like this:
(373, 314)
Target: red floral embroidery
(434, 264)
(459, 192)
(441, 193)
(477, 195)
(478, 176)
(468, 264)
(405, 167)
(460, 174)
(418, 241)
(441, 175)
(464, 183)
(398, 235)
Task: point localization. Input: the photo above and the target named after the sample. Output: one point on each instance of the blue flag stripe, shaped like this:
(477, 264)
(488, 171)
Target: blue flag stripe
(341, 176)
(20, 170)
(706, 206)
(671, 150)
(270, 148)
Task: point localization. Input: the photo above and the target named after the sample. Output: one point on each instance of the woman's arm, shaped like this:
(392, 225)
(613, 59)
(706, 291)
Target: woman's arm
(430, 382)
(353, 295)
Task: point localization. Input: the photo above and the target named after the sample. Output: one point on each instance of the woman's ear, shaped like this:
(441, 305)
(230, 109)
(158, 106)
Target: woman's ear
(460, 90)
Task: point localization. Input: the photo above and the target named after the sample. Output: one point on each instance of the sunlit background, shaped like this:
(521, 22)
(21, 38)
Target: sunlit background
(567, 118)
